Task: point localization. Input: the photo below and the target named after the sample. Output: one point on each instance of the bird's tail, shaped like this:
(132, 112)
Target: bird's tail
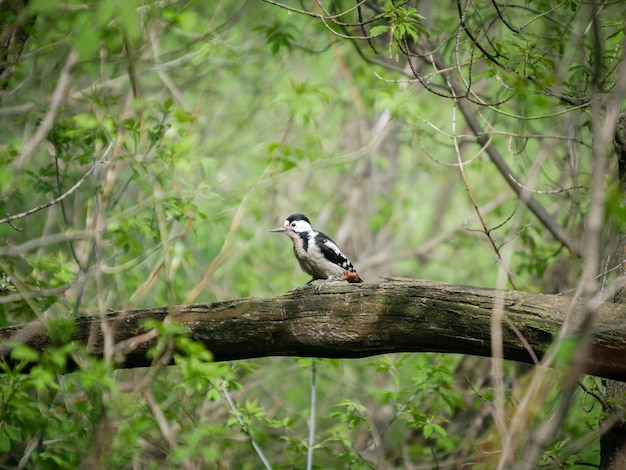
(353, 277)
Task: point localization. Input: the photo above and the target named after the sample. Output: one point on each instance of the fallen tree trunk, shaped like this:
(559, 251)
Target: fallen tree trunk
(346, 321)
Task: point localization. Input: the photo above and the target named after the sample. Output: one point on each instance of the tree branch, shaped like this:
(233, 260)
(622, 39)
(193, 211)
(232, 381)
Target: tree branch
(398, 315)
(21, 215)
(547, 220)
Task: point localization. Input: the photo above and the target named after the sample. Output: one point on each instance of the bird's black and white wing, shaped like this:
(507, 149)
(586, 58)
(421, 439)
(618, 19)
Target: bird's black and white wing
(332, 253)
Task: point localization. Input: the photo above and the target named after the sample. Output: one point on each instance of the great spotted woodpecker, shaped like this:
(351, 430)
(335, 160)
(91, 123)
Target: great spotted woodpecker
(318, 255)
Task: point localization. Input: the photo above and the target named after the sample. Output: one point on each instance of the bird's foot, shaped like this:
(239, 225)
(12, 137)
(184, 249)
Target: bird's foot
(304, 286)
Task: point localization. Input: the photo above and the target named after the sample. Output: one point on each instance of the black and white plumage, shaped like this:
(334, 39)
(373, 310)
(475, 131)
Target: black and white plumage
(318, 255)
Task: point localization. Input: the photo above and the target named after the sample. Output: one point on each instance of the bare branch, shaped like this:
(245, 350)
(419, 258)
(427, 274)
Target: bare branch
(557, 231)
(21, 215)
(40, 242)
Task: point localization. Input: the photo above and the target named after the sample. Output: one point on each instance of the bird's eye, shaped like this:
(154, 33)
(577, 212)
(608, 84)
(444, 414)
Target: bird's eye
(293, 224)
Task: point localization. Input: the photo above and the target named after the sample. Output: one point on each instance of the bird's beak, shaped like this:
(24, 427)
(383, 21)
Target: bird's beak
(279, 229)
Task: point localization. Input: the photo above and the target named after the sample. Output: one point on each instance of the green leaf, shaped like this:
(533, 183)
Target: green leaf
(380, 29)
(13, 432)
(278, 35)
(24, 353)
(87, 41)
(213, 394)
(5, 442)
(43, 6)
(431, 428)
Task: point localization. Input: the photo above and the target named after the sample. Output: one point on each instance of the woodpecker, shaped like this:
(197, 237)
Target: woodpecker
(318, 255)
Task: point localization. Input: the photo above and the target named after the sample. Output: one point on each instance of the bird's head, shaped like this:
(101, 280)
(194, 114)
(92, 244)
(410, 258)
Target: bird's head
(295, 225)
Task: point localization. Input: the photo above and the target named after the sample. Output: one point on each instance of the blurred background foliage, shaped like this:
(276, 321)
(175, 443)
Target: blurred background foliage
(198, 127)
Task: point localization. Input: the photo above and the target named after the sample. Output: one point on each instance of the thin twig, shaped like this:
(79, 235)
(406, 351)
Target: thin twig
(309, 454)
(545, 191)
(603, 118)
(40, 242)
(123, 348)
(469, 114)
(26, 296)
(546, 219)
(159, 416)
(21, 215)
(245, 429)
(470, 193)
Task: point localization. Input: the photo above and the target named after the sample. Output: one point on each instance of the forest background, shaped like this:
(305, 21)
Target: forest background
(148, 147)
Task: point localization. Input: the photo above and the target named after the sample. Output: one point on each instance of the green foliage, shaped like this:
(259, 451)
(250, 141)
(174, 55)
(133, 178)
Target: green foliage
(278, 35)
(402, 23)
(200, 126)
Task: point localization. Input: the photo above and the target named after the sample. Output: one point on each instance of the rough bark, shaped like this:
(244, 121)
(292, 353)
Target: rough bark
(619, 143)
(398, 315)
(14, 26)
